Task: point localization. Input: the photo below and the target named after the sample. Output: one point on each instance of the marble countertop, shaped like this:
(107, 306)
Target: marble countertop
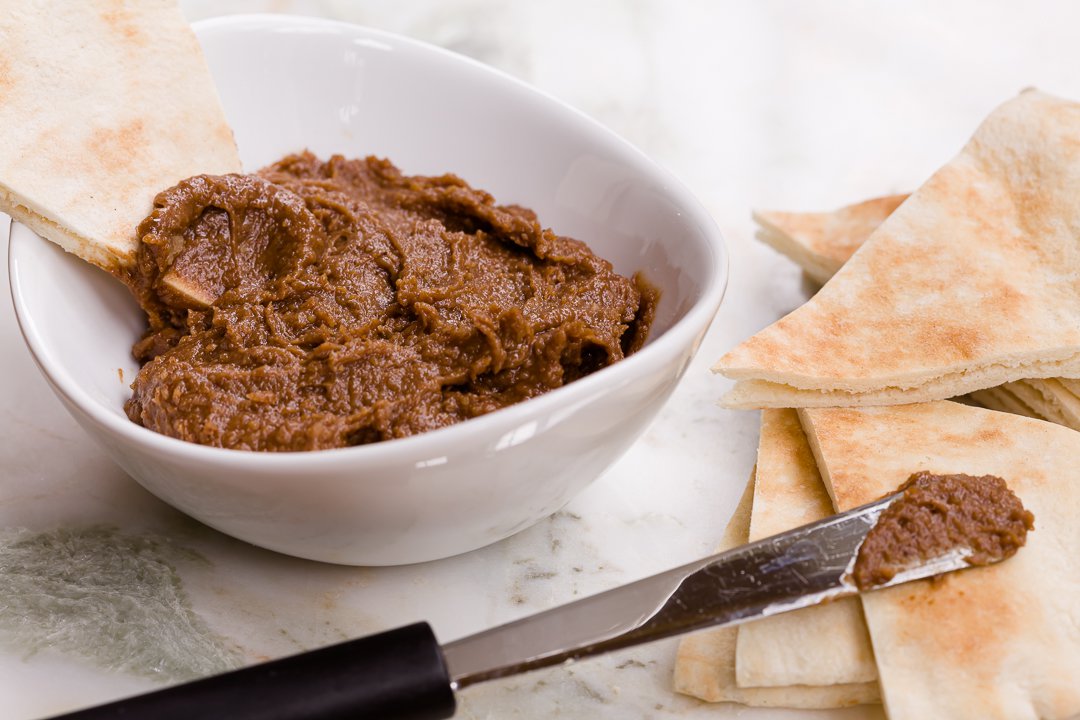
(766, 104)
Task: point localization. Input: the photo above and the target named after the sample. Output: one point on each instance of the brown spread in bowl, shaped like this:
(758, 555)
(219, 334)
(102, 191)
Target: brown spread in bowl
(326, 304)
(938, 513)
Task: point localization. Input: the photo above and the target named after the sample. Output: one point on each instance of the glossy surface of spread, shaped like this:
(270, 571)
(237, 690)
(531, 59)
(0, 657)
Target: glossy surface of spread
(939, 513)
(326, 304)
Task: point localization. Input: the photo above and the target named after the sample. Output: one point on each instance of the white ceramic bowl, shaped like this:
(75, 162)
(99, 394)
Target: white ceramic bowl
(289, 83)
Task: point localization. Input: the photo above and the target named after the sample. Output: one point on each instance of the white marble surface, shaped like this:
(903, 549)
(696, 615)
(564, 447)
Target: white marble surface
(765, 104)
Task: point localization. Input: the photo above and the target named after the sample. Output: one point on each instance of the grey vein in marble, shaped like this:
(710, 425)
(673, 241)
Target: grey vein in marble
(112, 599)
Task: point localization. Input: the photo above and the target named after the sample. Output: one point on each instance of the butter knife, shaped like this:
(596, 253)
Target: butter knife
(405, 674)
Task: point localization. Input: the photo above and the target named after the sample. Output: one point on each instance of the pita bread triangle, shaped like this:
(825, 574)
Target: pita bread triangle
(972, 282)
(103, 104)
(821, 242)
(997, 642)
(705, 663)
(826, 644)
(801, 238)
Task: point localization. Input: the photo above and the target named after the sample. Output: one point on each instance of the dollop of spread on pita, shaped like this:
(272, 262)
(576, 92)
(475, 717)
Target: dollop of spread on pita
(938, 514)
(326, 304)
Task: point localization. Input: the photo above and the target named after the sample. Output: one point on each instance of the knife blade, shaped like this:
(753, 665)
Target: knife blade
(802, 567)
(405, 673)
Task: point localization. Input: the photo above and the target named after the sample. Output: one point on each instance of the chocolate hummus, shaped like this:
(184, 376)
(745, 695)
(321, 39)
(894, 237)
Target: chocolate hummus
(936, 514)
(324, 304)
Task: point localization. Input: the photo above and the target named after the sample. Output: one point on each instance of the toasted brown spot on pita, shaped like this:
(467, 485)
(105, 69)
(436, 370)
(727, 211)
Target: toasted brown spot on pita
(119, 18)
(946, 607)
(964, 341)
(990, 435)
(119, 147)
(6, 79)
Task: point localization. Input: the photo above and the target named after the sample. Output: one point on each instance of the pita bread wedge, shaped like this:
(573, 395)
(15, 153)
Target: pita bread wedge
(822, 645)
(821, 242)
(104, 104)
(971, 283)
(996, 642)
(1071, 385)
(1052, 400)
(1002, 399)
(705, 663)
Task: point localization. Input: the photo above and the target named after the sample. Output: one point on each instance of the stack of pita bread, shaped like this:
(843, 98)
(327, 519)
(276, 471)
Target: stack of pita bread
(103, 104)
(821, 242)
(970, 285)
(1000, 642)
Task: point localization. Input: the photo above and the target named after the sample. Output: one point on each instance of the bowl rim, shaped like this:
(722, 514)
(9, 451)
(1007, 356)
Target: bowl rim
(441, 441)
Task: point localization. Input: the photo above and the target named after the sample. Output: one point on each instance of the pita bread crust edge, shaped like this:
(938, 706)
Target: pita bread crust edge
(105, 105)
(751, 394)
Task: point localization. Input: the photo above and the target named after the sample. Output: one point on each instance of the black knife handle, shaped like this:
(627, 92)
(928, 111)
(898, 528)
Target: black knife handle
(398, 675)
